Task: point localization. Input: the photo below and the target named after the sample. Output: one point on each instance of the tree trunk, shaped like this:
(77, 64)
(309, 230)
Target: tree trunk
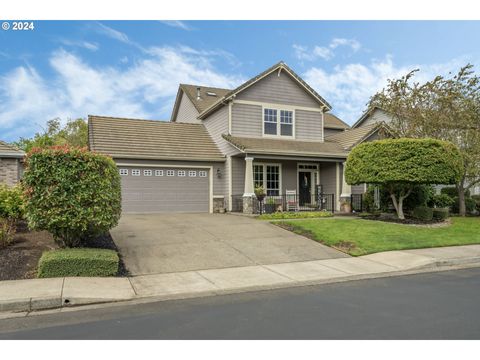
(462, 210)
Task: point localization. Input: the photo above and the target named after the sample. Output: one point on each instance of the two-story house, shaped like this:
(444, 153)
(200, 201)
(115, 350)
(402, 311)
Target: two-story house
(274, 130)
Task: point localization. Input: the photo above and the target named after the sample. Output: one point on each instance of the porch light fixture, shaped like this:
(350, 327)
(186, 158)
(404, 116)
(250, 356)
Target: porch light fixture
(219, 173)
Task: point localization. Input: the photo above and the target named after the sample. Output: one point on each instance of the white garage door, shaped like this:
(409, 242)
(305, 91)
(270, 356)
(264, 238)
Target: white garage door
(168, 189)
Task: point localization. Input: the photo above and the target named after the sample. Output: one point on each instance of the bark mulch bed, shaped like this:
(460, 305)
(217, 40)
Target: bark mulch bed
(19, 260)
(407, 220)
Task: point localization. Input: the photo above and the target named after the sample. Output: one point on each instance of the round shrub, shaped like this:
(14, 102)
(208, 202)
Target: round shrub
(11, 202)
(423, 213)
(440, 214)
(72, 193)
(442, 201)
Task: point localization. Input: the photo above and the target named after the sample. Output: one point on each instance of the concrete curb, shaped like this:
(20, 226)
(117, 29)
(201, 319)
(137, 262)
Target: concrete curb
(72, 292)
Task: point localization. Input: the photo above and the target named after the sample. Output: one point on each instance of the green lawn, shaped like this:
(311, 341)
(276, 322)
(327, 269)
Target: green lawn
(361, 237)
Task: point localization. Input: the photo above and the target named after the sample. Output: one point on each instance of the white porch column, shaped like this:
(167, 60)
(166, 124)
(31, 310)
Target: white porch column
(248, 190)
(346, 189)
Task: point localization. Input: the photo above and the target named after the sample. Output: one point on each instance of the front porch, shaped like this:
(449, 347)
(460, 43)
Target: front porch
(301, 184)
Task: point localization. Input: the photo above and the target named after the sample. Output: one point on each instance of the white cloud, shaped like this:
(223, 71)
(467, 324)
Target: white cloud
(83, 44)
(352, 43)
(112, 33)
(325, 52)
(177, 24)
(349, 87)
(145, 88)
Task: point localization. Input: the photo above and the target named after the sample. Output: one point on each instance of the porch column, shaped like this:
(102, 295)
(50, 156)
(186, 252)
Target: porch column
(346, 189)
(248, 192)
(345, 197)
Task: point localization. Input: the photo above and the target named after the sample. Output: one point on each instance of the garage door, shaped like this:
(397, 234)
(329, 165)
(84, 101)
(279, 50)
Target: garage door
(156, 190)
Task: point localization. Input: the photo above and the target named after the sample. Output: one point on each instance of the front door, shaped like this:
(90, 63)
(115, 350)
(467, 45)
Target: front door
(305, 184)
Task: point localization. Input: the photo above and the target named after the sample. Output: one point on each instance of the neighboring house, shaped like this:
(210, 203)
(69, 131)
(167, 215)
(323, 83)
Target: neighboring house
(274, 130)
(373, 115)
(11, 164)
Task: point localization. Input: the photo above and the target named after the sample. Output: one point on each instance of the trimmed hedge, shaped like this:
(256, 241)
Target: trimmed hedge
(11, 202)
(78, 262)
(72, 193)
(295, 215)
(408, 161)
(440, 214)
(423, 213)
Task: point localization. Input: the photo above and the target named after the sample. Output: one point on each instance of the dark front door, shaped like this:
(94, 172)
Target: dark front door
(305, 183)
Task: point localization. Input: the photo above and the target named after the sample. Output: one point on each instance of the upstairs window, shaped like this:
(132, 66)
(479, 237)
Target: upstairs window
(277, 122)
(286, 123)
(270, 121)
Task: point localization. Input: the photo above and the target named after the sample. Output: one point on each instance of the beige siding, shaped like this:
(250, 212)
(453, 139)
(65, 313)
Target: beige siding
(217, 125)
(238, 175)
(328, 178)
(329, 132)
(308, 125)
(279, 90)
(247, 120)
(10, 171)
(187, 112)
(358, 189)
(376, 116)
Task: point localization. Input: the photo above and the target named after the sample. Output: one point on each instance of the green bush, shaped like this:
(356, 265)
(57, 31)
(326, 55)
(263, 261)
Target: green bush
(477, 201)
(72, 193)
(7, 232)
(421, 195)
(442, 201)
(452, 192)
(423, 213)
(78, 262)
(11, 202)
(470, 205)
(440, 214)
(295, 215)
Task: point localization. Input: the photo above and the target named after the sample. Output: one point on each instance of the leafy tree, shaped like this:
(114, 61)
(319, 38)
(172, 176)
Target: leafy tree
(443, 108)
(399, 165)
(72, 193)
(73, 133)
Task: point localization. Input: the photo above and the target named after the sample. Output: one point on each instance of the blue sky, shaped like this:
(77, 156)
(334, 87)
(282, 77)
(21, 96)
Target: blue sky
(70, 69)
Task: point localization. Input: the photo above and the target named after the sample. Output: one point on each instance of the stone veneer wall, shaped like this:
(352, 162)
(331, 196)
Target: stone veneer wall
(9, 171)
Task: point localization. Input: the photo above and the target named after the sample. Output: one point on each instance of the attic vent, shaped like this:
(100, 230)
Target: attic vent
(209, 93)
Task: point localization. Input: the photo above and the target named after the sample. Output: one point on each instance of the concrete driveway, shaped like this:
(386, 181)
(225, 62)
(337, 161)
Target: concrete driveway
(163, 243)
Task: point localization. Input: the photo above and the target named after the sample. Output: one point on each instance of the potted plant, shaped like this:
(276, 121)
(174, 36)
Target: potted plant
(260, 193)
(345, 206)
(270, 206)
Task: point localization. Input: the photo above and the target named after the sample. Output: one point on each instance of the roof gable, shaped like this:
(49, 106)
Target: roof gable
(7, 150)
(281, 66)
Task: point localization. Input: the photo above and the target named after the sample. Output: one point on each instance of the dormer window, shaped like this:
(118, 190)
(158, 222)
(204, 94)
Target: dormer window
(278, 122)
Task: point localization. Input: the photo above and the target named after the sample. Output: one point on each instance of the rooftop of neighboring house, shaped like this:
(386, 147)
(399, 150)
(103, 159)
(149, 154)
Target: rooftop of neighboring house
(7, 150)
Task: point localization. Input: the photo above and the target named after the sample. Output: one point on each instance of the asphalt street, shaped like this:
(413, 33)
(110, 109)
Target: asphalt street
(441, 305)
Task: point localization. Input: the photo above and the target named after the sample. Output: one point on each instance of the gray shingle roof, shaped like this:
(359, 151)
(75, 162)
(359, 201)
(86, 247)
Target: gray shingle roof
(205, 100)
(349, 138)
(151, 139)
(333, 122)
(287, 147)
(7, 150)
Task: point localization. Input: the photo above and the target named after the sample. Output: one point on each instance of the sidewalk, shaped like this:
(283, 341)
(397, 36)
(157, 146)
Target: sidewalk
(39, 294)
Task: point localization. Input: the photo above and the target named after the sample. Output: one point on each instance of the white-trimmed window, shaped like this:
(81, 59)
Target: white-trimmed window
(135, 172)
(192, 173)
(158, 172)
(268, 176)
(202, 173)
(170, 173)
(270, 121)
(286, 123)
(147, 172)
(181, 173)
(278, 122)
(123, 172)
